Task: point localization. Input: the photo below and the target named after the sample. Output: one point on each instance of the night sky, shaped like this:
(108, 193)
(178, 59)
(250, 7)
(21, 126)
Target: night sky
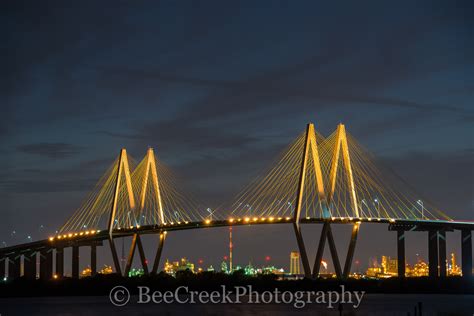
(218, 88)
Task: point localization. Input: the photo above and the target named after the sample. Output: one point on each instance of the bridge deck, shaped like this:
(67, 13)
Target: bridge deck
(85, 238)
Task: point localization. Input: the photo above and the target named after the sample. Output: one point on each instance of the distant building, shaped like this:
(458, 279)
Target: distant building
(295, 262)
(224, 267)
(374, 272)
(86, 272)
(250, 270)
(181, 265)
(453, 268)
(389, 266)
(106, 270)
(136, 272)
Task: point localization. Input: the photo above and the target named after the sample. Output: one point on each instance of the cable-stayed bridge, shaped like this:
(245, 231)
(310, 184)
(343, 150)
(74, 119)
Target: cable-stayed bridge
(315, 180)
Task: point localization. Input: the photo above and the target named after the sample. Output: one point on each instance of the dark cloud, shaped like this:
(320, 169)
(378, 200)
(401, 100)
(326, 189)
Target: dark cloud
(445, 178)
(50, 150)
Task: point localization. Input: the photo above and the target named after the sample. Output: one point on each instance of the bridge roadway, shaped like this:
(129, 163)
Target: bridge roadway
(436, 239)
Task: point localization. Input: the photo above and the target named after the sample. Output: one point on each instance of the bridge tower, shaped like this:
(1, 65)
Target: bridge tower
(310, 145)
(151, 167)
(341, 148)
(122, 169)
(294, 262)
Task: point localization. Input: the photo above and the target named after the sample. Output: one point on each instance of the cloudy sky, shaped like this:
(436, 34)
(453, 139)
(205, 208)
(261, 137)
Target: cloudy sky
(218, 88)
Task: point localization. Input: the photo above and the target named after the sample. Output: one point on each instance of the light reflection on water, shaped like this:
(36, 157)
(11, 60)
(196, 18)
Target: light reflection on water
(372, 304)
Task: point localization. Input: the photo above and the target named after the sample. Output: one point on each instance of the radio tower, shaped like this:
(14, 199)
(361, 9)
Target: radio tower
(230, 249)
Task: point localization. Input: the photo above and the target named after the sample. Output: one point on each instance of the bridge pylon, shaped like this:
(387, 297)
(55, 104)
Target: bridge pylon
(310, 146)
(341, 145)
(151, 168)
(341, 148)
(122, 169)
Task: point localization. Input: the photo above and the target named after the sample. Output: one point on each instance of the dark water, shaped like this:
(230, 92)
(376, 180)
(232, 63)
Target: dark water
(372, 304)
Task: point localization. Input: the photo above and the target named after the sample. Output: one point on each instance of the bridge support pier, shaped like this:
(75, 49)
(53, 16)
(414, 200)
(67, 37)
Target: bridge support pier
(466, 253)
(351, 250)
(75, 262)
(93, 259)
(60, 262)
(302, 248)
(161, 244)
(335, 257)
(433, 253)
(29, 265)
(401, 253)
(3, 265)
(14, 266)
(133, 246)
(319, 253)
(113, 250)
(326, 233)
(46, 264)
(141, 252)
(442, 253)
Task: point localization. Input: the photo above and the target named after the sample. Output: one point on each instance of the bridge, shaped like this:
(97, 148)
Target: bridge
(316, 180)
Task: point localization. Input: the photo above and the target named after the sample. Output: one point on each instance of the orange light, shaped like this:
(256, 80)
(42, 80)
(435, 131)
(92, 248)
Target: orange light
(207, 221)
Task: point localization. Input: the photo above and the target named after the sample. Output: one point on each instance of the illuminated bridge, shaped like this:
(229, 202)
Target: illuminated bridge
(315, 180)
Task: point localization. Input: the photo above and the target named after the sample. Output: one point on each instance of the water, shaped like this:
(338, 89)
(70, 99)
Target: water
(372, 304)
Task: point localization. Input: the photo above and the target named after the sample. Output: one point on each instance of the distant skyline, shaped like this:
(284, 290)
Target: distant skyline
(218, 89)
